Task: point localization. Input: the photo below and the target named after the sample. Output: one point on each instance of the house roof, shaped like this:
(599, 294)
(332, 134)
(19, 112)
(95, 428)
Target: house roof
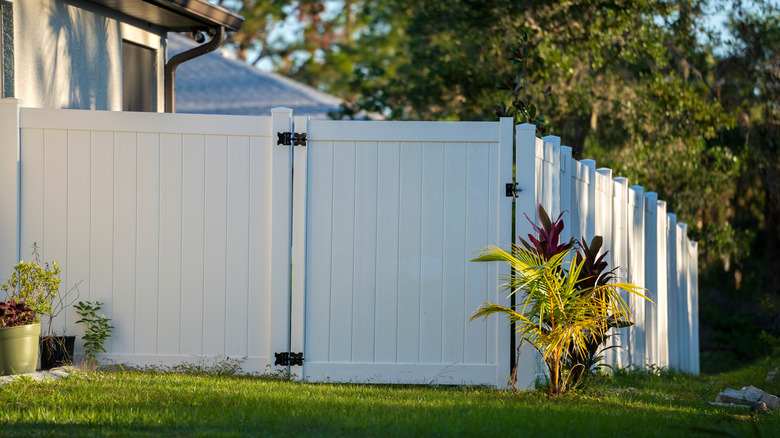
(176, 15)
(217, 84)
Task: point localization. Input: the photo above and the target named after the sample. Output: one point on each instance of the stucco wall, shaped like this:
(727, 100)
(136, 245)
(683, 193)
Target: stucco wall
(69, 54)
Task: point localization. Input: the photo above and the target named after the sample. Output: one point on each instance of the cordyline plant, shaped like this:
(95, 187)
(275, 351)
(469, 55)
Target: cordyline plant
(567, 306)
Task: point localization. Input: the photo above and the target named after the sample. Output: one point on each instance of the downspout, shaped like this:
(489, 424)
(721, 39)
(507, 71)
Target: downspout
(173, 63)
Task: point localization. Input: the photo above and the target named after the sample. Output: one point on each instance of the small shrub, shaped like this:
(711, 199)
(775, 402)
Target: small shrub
(98, 327)
(565, 309)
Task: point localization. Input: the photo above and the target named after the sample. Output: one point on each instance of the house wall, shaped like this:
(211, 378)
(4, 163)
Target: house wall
(68, 54)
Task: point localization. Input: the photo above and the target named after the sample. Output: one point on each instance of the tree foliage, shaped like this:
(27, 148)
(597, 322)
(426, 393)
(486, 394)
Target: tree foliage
(642, 86)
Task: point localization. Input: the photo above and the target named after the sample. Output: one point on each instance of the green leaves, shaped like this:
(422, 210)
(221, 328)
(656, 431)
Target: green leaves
(98, 327)
(37, 286)
(562, 312)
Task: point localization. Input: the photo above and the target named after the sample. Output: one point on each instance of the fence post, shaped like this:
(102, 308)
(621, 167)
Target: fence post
(651, 277)
(682, 296)
(299, 199)
(552, 174)
(636, 264)
(505, 346)
(526, 202)
(673, 291)
(590, 223)
(693, 291)
(281, 229)
(9, 185)
(662, 305)
(620, 254)
(603, 228)
(567, 166)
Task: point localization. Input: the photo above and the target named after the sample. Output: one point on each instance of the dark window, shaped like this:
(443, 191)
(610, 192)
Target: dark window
(6, 49)
(139, 78)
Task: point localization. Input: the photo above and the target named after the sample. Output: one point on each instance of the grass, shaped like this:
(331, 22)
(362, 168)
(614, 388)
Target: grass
(137, 403)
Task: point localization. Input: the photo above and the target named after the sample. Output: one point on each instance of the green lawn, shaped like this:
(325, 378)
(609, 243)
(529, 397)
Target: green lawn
(153, 404)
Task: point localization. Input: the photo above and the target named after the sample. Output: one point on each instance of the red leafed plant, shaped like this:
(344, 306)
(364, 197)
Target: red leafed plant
(547, 242)
(14, 313)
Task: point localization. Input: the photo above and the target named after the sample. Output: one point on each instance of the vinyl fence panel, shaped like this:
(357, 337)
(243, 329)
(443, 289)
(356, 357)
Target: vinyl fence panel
(394, 213)
(153, 215)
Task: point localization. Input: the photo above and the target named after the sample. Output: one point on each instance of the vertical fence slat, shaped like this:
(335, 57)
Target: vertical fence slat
(552, 156)
(55, 207)
(682, 296)
(662, 303)
(319, 246)
(281, 230)
(342, 282)
(101, 220)
(169, 299)
(525, 150)
(409, 253)
(604, 223)
(215, 246)
(477, 292)
(651, 277)
(693, 310)
(237, 244)
(192, 245)
(432, 244)
(588, 229)
(77, 220)
(455, 254)
(125, 226)
(261, 178)
(566, 192)
(299, 262)
(637, 273)
(673, 290)
(365, 253)
(387, 274)
(147, 243)
(505, 147)
(620, 255)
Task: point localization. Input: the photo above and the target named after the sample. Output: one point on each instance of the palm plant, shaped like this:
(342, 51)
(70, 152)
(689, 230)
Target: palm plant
(561, 312)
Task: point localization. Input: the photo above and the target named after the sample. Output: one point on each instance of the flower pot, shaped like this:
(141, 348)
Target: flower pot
(19, 349)
(56, 351)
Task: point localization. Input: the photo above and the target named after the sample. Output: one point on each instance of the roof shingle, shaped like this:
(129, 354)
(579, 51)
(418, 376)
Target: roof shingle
(215, 84)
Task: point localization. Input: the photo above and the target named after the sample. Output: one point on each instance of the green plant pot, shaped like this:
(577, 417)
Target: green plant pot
(19, 349)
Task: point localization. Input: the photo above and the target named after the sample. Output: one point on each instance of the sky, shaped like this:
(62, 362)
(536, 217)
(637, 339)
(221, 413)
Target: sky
(717, 18)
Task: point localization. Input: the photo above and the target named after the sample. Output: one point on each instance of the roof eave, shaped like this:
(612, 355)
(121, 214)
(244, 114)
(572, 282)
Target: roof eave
(176, 15)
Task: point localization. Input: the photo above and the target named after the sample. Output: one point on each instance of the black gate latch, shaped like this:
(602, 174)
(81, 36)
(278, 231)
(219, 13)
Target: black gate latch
(288, 359)
(512, 190)
(289, 138)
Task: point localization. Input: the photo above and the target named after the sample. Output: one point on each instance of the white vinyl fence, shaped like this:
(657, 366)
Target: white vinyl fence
(205, 237)
(172, 221)
(645, 242)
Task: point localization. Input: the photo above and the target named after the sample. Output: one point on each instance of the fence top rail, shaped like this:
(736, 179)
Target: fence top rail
(198, 124)
(337, 130)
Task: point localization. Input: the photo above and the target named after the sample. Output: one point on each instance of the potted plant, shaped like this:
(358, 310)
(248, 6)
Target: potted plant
(18, 338)
(38, 287)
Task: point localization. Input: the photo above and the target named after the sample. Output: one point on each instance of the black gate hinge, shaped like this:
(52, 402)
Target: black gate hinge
(288, 359)
(289, 139)
(512, 190)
